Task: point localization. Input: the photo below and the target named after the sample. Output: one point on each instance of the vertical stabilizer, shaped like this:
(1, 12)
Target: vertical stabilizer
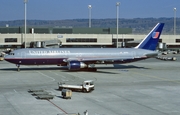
(150, 42)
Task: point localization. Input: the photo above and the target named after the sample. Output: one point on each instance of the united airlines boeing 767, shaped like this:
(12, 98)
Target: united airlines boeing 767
(84, 58)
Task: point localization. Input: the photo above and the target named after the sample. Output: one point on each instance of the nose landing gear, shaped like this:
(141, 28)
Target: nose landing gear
(18, 65)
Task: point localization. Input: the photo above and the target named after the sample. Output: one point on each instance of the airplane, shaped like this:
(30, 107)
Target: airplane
(86, 58)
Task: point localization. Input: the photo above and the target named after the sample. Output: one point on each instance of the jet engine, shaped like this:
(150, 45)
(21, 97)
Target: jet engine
(76, 65)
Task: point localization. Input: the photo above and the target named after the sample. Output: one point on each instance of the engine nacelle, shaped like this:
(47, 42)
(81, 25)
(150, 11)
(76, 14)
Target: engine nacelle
(76, 65)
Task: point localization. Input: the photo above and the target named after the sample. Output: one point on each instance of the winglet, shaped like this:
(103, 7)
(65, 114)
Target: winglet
(150, 42)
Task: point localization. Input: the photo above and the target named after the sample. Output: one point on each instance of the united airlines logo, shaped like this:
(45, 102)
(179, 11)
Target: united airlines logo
(155, 35)
(45, 52)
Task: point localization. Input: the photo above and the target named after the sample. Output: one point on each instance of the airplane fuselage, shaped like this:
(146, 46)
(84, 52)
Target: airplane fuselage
(58, 56)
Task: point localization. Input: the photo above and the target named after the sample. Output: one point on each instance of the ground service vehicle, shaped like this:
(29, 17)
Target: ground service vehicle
(86, 86)
(66, 94)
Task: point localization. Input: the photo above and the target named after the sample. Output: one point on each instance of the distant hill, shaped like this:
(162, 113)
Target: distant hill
(139, 25)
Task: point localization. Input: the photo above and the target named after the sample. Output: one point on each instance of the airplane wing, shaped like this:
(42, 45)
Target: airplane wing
(98, 59)
(106, 59)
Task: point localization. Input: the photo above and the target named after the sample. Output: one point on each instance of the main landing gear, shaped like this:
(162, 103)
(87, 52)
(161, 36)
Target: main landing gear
(89, 69)
(92, 69)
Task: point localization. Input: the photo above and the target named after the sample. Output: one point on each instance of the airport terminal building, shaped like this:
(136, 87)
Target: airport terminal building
(14, 37)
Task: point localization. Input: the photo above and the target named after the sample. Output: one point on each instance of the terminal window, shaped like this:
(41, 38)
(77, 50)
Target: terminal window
(115, 40)
(127, 40)
(121, 40)
(177, 40)
(81, 40)
(10, 40)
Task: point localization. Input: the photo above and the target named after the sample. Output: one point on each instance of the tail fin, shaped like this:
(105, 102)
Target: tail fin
(150, 42)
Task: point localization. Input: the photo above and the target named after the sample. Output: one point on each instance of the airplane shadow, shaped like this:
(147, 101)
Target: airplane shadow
(118, 66)
(33, 68)
(65, 69)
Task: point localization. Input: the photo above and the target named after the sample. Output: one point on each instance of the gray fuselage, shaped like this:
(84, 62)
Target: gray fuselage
(57, 56)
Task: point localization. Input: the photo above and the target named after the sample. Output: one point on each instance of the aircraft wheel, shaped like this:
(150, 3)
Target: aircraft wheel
(84, 90)
(92, 69)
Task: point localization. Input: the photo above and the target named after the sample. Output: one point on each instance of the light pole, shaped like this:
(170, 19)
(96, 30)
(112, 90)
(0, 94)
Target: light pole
(25, 2)
(174, 21)
(117, 5)
(89, 7)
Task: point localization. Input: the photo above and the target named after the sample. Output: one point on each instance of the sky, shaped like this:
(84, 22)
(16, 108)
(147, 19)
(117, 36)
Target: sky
(78, 9)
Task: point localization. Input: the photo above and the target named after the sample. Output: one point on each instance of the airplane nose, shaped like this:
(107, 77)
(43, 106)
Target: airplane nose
(6, 57)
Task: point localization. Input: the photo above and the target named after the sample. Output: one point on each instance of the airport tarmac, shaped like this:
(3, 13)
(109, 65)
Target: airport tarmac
(150, 87)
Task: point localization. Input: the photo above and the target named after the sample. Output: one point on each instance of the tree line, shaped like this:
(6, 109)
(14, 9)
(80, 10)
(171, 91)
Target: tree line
(138, 25)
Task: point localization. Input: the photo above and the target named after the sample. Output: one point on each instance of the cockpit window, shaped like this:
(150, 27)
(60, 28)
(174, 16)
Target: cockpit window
(92, 83)
(11, 53)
